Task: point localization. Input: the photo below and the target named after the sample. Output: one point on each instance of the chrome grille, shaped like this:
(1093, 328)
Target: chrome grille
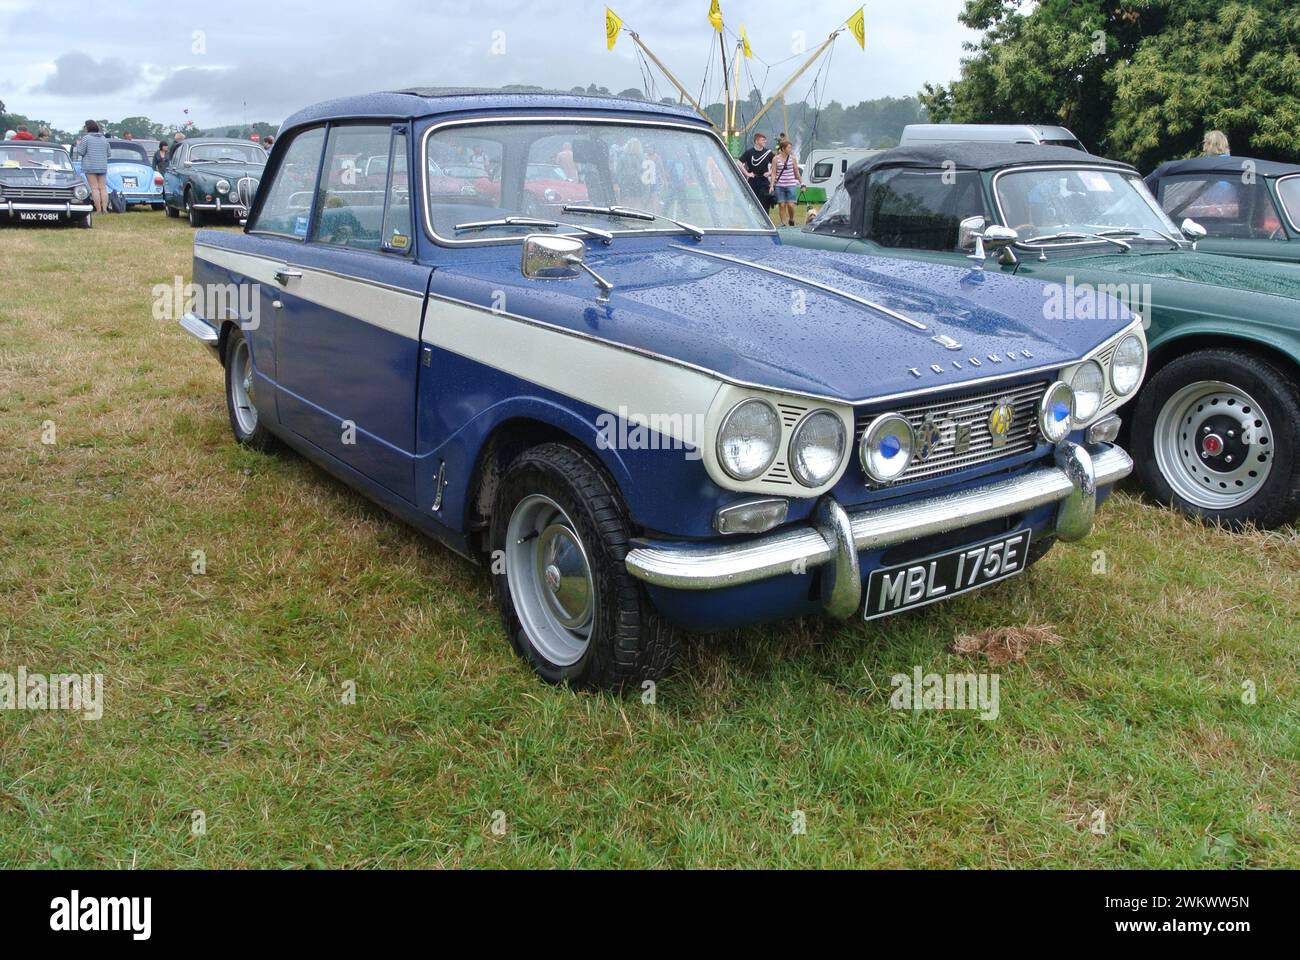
(1105, 358)
(38, 193)
(245, 191)
(968, 411)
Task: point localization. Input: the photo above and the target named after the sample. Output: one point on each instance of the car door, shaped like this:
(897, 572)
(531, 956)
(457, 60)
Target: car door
(173, 188)
(353, 296)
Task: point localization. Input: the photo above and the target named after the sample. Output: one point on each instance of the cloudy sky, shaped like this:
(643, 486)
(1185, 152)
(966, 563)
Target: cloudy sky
(72, 59)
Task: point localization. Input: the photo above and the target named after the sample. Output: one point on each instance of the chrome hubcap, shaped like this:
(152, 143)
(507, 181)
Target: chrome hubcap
(241, 388)
(550, 582)
(1214, 445)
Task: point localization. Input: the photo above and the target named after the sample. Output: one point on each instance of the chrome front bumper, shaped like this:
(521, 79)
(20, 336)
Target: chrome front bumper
(837, 537)
(66, 209)
(218, 207)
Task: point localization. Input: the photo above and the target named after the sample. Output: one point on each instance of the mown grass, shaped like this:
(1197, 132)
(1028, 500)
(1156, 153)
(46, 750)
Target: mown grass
(223, 691)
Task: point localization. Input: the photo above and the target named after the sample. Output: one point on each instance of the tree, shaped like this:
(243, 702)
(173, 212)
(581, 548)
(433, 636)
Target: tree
(1135, 79)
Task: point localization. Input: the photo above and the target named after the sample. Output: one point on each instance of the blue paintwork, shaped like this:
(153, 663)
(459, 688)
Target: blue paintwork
(315, 366)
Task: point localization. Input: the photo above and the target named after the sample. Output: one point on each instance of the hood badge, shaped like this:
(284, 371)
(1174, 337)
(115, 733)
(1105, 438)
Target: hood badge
(946, 341)
(1001, 417)
(995, 358)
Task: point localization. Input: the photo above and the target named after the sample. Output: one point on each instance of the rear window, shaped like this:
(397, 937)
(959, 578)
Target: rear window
(921, 210)
(1289, 191)
(1224, 204)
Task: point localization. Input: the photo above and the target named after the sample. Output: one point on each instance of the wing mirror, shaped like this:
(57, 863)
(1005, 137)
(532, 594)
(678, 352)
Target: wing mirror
(1192, 230)
(547, 257)
(985, 241)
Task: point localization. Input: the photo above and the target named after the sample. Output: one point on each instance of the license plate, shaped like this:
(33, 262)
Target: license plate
(38, 216)
(128, 181)
(892, 590)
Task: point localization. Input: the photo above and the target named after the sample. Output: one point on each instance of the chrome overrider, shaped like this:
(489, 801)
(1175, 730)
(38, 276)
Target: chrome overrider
(836, 537)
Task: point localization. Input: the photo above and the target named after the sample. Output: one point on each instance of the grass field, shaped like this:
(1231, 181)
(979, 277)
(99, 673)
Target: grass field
(223, 700)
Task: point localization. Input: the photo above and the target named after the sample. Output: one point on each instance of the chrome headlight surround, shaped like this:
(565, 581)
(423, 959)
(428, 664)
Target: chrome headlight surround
(1056, 412)
(223, 187)
(81, 191)
(1088, 383)
(886, 448)
(821, 418)
(769, 420)
(1132, 365)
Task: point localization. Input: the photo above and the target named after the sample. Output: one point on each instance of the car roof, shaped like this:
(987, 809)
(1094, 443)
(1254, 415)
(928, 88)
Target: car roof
(974, 155)
(34, 143)
(431, 101)
(1228, 164)
(221, 140)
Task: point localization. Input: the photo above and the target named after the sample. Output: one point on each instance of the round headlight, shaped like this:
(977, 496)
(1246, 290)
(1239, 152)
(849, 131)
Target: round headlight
(817, 448)
(223, 186)
(887, 446)
(1088, 384)
(1126, 368)
(81, 192)
(1056, 411)
(748, 439)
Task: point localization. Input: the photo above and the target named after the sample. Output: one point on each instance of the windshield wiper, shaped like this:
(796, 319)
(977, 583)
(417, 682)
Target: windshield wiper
(1047, 238)
(1137, 231)
(630, 213)
(604, 236)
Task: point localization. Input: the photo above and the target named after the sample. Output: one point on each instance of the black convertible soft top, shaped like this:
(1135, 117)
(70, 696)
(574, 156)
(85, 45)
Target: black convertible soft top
(970, 156)
(1227, 165)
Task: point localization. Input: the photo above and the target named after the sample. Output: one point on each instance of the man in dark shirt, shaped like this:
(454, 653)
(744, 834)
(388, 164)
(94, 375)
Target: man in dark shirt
(754, 163)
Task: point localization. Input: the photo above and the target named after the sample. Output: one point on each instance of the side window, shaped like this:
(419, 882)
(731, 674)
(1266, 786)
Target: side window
(836, 216)
(354, 182)
(396, 234)
(1225, 205)
(822, 170)
(287, 206)
(921, 210)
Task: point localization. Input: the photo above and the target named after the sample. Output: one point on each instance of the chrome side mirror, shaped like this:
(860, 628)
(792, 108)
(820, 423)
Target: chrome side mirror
(548, 257)
(1192, 230)
(968, 233)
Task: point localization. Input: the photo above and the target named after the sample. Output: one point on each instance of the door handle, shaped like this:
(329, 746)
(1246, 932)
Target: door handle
(284, 275)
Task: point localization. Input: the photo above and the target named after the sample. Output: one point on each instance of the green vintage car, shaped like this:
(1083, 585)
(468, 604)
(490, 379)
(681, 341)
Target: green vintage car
(1215, 430)
(1249, 208)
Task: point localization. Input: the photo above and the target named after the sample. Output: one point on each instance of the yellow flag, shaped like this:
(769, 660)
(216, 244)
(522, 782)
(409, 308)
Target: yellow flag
(744, 43)
(858, 27)
(715, 15)
(612, 26)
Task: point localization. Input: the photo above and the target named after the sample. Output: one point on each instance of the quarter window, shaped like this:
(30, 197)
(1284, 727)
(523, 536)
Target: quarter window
(286, 211)
(397, 213)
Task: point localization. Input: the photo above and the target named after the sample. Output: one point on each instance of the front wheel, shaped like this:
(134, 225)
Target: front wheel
(196, 217)
(87, 222)
(559, 536)
(244, 419)
(171, 211)
(1215, 434)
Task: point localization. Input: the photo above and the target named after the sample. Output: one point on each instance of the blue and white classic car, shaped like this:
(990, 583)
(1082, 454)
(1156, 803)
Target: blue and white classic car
(131, 173)
(641, 410)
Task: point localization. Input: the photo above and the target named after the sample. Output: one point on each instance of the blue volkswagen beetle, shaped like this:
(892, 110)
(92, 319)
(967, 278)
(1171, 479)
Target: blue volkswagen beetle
(639, 409)
(131, 173)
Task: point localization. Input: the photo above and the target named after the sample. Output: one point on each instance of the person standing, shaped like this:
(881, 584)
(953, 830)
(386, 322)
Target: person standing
(160, 157)
(754, 163)
(1215, 144)
(785, 177)
(24, 134)
(92, 151)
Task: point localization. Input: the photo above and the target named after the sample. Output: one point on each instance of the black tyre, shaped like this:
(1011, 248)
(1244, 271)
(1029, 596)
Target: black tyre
(245, 421)
(171, 211)
(559, 536)
(197, 218)
(1039, 549)
(1215, 434)
(87, 222)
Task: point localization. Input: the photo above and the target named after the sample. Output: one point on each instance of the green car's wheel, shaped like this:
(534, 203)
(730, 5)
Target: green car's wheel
(196, 217)
(1216, 435)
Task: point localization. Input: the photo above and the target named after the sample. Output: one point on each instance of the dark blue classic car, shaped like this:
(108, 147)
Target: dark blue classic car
(38, 184)
(640, 409)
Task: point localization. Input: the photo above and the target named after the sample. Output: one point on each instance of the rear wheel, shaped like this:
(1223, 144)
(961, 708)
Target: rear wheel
(559, 535)
(244, 419)
(1215, 434)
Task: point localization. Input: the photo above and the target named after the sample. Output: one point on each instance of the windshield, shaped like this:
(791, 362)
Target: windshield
(123, 152)
(249, 153)
(1039, 203)
(536, 170)
(1289, 191)
(34, 158)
